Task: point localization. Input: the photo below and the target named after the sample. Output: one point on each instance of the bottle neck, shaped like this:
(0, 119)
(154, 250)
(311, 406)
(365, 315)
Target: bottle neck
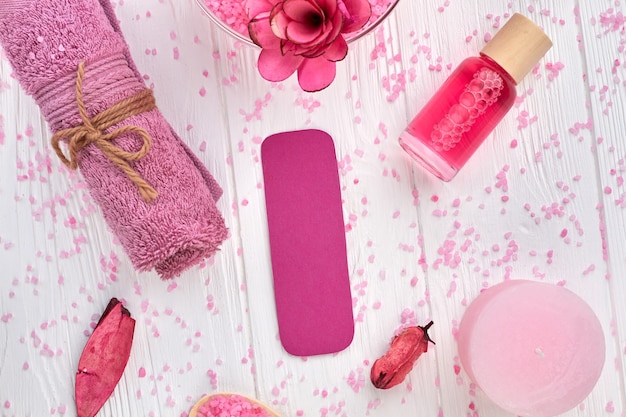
(501, 69)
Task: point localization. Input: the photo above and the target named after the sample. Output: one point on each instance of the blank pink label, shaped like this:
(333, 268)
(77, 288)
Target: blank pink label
(307, 242)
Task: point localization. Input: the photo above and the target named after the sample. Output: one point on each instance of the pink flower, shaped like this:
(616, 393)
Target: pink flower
(304, 35)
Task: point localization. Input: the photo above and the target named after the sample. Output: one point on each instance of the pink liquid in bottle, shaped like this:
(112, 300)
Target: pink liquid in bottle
(474, 99)
(461, 114)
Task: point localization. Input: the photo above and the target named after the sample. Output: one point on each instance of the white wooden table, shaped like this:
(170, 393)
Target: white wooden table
(543, 199)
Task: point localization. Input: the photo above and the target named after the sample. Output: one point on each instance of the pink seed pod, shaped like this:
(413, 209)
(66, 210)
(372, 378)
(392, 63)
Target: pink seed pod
(103, 359)
(391, 369)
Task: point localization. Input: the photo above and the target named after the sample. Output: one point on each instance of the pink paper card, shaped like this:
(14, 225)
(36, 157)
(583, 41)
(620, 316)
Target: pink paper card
(307, 242)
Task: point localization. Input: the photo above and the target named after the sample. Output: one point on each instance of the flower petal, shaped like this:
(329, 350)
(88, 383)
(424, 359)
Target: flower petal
(359, 13)
(256, 7)
(279, 21)
(261, 33)
(319, 46)
(316, 74)
(301, 32)
(328, 6)
(337, 50)
(322, 39)
(274, 66)
(302, 10)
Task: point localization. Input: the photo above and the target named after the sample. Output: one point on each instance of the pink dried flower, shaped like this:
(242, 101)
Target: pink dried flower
(304, 36)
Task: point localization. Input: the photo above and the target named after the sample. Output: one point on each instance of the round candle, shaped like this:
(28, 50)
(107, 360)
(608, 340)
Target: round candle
(535, 349)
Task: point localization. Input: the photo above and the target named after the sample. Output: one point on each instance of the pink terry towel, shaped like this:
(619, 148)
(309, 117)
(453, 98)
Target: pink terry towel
(169, 223)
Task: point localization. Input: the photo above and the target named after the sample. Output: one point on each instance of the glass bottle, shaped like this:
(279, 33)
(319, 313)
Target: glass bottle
(474, 98)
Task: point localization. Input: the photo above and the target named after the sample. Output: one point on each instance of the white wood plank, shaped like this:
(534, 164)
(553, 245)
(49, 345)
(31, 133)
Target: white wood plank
(602, 35)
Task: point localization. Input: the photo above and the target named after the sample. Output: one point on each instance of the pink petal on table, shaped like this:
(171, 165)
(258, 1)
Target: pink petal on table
(337, 50)
(261, 33)
(359, 12)
(302, 10)
(274, 66)
(316, 74)
(256, 7)
(302, 33)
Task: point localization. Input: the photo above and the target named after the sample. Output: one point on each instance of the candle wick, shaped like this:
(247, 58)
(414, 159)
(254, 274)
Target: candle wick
(539, 352)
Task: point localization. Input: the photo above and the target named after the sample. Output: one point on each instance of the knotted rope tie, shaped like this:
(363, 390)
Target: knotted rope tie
(93, 131)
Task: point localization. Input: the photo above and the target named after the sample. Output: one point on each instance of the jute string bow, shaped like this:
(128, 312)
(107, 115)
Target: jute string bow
(93, 131)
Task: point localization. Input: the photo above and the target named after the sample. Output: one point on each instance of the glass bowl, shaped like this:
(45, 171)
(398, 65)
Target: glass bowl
(231, 17)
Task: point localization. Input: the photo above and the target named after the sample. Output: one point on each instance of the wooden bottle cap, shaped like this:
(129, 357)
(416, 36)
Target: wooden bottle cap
(518, 46)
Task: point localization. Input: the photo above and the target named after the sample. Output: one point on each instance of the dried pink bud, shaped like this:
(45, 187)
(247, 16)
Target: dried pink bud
(394, 366)
(104, 358)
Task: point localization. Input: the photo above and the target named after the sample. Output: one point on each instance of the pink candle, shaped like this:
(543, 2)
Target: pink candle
(535, 349)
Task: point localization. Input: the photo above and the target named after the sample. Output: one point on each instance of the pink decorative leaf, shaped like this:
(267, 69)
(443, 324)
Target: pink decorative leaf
(104, 358)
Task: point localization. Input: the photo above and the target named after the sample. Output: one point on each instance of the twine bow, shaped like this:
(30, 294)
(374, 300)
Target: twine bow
(93, 131)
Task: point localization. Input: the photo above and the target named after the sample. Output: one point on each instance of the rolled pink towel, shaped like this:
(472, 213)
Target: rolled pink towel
(176, 223)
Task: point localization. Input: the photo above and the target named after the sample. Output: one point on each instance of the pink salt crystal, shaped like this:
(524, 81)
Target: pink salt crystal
(232, 13)
(232, 406)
